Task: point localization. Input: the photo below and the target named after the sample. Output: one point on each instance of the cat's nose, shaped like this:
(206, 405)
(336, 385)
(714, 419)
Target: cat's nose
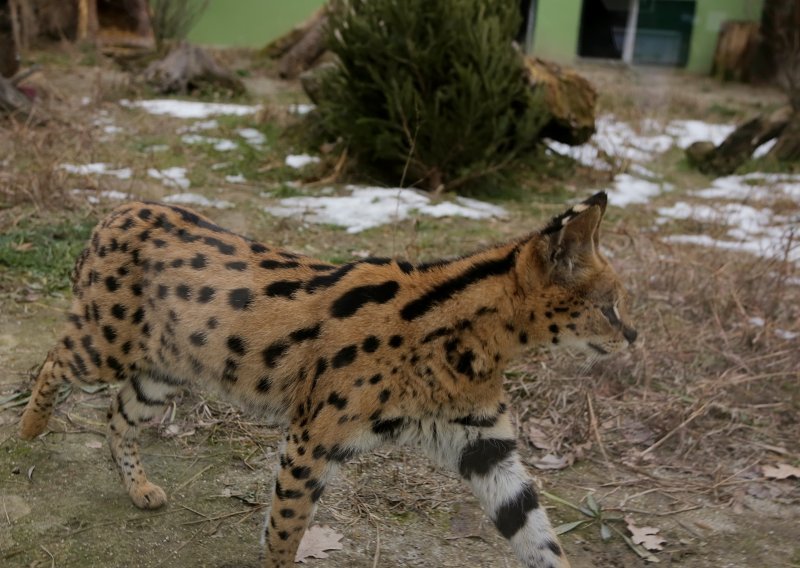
(630, 334)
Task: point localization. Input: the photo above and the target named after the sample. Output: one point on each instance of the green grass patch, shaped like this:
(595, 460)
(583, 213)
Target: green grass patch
(42, 255)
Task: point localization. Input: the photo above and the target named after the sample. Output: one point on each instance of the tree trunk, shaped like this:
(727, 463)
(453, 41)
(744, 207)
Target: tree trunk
(9, 57)
(736, 51)
(787, 149)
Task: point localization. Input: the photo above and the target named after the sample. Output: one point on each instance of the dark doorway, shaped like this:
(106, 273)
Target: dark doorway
(603, 24)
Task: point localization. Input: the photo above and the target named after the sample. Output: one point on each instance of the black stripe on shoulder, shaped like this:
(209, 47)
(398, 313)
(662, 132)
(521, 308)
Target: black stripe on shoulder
(449, 288)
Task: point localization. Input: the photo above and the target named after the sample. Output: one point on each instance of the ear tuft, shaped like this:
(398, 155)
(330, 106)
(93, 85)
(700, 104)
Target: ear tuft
(599, 199)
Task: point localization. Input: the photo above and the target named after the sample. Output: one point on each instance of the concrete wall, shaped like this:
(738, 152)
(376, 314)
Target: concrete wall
(250, 22)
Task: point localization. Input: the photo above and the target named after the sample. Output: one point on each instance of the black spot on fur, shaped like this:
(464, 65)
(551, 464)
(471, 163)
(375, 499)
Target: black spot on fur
(221, 246)
(237, 344)
(206, 294)
(274, 352)
(480, 456)
(270, 264)
(138, 316)
(118, 311)
(371, 344)
(264, 384)
(183, 291)
(345, 356)
(395, 341)
(112, 284)
(198, 338)
(285, 288)
(301, 472)
(337, 400)
(240, 299)
(464, 365)
(199, 261)
(388, 427)
(384, 396)
(162, 292)
(512, 515)
(305, 334)
(236, 265)
(477, 421)
(328, 280)
(109, 333)
(354, 299)
(340, 454)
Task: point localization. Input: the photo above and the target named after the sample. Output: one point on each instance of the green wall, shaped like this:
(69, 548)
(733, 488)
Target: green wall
(250, 22)
(558, 24)
(709, 17)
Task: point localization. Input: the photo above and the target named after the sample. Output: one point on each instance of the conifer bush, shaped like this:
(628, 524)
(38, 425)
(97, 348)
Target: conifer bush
(430, 92)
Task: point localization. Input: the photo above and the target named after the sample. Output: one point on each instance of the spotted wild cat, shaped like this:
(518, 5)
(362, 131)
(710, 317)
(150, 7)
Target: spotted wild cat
(344, 358)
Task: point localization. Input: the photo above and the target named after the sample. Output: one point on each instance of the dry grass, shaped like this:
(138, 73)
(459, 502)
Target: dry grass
(707, 392)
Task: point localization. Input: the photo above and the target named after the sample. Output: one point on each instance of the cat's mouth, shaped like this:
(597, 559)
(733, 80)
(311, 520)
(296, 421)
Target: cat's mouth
(598, 348)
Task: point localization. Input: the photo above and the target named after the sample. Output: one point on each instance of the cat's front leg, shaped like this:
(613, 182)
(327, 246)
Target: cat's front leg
(484, 452)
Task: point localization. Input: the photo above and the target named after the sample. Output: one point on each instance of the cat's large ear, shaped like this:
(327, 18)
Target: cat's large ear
(573, 236)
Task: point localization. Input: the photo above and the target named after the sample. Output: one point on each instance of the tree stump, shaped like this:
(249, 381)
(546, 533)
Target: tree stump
(569, 97)
(12, 102)
(736, 51)
(189, 68)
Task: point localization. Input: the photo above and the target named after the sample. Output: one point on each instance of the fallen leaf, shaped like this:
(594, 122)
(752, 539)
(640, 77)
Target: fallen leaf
(467, 522)
(781, 471)
(316, 541)
(646, 536)
(22, 247)
(538, 434)
(94, 444)
(552, 461)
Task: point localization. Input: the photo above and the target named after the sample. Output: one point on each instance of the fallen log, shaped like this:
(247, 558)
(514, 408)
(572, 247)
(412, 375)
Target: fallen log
(739, 146)
(188, 68)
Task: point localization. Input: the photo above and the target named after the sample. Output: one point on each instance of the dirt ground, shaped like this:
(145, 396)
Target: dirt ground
(673, 435)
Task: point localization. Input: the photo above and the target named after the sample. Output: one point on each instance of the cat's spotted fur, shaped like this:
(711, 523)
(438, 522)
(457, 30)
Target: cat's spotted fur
(344, 357)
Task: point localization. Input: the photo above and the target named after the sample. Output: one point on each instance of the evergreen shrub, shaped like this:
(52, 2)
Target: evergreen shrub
(430, 92)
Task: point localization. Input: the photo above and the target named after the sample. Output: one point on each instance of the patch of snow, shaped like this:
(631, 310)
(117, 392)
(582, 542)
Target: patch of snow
(687, 132)
(586, 154)
(189, 109)
(175, 177)
(300, 160)
(757, 321)
(628, 189)
(197, 199)
(98, 168)
(238, 178)
(764, 149)
(219, 144)
(621, 141)
(301, 108)
(368, 207)
(199, 126)
(95, 197)
(754, 186)
(787, 335)
(252, 136)
(757, 231)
